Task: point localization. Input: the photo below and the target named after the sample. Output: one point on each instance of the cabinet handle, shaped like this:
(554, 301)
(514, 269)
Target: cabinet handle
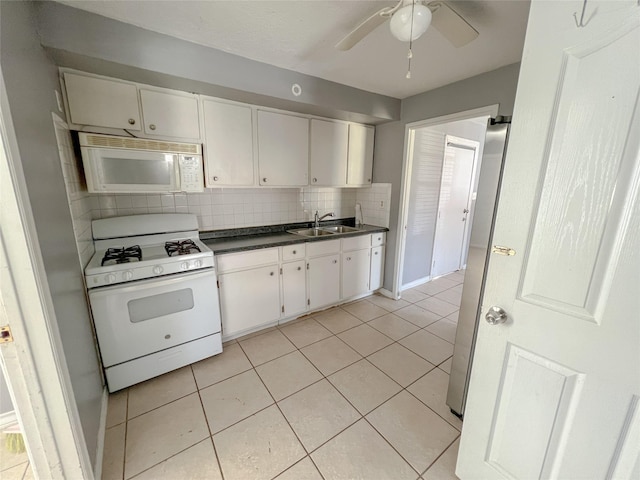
(152, 126)
(299, 268)
(132, 121)
(264, 179)
(348, 259)
(375, 253)
(271, 274)
(315, 180)
(335, 261)
(215, 179)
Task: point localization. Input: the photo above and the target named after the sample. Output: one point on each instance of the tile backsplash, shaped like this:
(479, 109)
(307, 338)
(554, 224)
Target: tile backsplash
(376, 204)
(233, 208)
(248, 207)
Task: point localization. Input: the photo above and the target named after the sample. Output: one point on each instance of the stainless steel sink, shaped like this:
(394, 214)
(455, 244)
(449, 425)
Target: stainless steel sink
(311, 232)
(340, 229)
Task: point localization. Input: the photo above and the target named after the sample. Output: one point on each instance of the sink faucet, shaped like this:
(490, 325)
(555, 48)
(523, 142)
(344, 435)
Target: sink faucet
(317, 219)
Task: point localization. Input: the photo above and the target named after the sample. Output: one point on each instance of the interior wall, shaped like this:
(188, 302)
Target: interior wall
(495, 87)
(31, 78)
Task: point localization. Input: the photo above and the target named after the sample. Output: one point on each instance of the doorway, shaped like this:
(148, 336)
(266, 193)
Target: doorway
(456, 195)
(425, 145)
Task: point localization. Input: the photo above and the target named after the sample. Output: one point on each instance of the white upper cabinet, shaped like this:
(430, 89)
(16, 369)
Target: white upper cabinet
(360, 164)
(328, 156)
(283, 149)
(102, 103)
(228, 144)
(170, 114)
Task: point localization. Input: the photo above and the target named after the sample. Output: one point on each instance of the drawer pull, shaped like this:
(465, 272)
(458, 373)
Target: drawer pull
(294, 252)
(335, 261)
(299, 268)
(271, 274)
(152, 126)
(348, 259)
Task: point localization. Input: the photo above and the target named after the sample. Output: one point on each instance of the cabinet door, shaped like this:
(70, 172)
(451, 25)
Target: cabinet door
(294, 288)
(102, 103)
(355, 273)
(249, 299)
(377, 268)
(169, 114)
(360, 163)
(328, 156)
(283, 149)
(324, 281)
(228, 144)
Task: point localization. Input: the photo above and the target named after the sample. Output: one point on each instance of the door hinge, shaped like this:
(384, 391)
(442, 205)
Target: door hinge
(281, 274)
(218, 283)
(308, 301)
(282, 308)
(5, 334)
(307, 266)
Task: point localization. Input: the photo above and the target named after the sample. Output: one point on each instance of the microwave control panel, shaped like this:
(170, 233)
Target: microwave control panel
(191, 176)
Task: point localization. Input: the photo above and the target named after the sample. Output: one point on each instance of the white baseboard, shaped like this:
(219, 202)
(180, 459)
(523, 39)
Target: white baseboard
(387, 293)
(415, 283)
(102, 431)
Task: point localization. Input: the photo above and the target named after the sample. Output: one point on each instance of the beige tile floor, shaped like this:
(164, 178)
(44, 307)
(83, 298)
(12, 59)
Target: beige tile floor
(13, 466)
(354, 392)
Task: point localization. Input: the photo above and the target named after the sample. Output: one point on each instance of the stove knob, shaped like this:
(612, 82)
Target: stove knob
(110, 278)
(197, 263)
(184, 265)
(158, 270)
(127, 275)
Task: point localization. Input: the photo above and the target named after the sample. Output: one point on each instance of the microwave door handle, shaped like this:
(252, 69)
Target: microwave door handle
(177, 169)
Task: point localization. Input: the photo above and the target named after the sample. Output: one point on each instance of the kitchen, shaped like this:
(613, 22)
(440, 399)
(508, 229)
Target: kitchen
(49, 198)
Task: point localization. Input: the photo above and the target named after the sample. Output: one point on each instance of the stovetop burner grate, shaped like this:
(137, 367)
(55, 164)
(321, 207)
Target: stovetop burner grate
(181, 247)
(122, 255)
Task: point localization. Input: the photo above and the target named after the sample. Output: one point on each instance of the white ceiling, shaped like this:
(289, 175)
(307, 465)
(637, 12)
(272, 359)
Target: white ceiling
(300, 35)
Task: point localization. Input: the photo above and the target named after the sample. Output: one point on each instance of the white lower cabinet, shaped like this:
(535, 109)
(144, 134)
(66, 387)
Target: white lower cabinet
(377, 268)
(294, 288)
(355, 273)
(262, 286)
(324, 280)
(249, 298)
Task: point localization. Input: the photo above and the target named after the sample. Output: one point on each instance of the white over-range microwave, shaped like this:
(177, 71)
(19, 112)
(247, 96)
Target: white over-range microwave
(137, 165)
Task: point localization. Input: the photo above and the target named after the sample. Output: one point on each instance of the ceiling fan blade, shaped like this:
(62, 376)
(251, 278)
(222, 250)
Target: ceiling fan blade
(451, 25)
(364, 29)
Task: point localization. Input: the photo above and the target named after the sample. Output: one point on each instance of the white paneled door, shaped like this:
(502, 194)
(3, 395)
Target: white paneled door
(555, 389)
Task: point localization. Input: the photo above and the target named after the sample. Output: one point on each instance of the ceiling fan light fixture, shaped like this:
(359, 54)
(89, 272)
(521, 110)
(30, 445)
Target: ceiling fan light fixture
(410, 22)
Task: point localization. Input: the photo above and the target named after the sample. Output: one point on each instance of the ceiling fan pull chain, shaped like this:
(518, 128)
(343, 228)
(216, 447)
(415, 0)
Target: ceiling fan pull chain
(410, 52)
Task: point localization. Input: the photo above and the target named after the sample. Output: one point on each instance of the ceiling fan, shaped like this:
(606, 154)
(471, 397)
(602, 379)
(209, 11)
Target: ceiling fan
(410, 19)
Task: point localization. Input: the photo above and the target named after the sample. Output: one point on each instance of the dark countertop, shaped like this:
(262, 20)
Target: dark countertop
(244, 239)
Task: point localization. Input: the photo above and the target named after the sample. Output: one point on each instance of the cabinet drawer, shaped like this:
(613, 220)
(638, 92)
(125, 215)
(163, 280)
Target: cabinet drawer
(356, 243)
(326, 247)
(378, 239)
(241, 260)
(293, 252)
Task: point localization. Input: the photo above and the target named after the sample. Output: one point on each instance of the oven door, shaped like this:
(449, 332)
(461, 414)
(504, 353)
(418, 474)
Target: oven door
(139, 318)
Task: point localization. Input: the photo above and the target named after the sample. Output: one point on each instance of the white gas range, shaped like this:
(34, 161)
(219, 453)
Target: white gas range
(153, 294)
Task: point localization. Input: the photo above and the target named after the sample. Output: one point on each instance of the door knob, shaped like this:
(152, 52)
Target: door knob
(496, 316)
